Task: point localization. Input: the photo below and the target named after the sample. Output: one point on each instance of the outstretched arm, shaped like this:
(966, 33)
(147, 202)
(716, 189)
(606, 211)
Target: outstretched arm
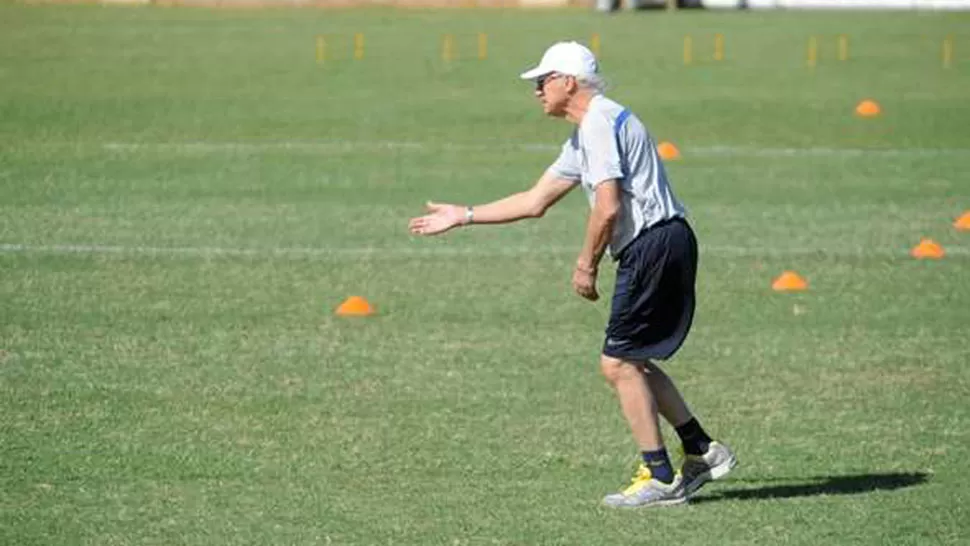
(533, 203)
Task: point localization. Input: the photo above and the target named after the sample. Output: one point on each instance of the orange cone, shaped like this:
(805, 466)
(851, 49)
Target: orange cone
(963, 222)
(927, 248)
(355, 306)
(868, 109)
(667, 151)
(789, 281)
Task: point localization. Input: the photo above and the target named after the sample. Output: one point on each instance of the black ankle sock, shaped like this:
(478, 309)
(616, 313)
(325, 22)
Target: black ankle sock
(659, 464)
(695, 440)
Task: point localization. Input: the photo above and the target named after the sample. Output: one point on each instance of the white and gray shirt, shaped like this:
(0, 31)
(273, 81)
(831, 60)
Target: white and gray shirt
(611, 143)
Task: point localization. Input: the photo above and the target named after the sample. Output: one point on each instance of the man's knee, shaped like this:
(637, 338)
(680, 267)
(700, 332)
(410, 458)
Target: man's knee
(616, 370)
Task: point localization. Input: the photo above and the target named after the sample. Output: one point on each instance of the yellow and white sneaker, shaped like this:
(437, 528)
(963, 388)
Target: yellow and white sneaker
(712, 465)
(646, 491)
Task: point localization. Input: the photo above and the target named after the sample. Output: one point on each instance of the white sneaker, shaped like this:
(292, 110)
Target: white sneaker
(646, 491)
(712, 465)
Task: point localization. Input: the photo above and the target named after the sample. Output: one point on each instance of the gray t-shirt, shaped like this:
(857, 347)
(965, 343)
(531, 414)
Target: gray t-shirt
(611, 143)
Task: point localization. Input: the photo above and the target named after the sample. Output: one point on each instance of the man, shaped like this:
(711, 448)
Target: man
(634, 212)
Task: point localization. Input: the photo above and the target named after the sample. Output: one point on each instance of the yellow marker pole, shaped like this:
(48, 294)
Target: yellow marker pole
(843, 47)
(358, 46)
(948, 51)
(447, 47)
(321, 49)
(688, 50)
(812, 56)
(671, 5)
(482, 46)
(718, 47)
(594, 44)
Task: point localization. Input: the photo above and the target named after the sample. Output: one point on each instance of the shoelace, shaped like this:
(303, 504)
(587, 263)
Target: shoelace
(643, 475)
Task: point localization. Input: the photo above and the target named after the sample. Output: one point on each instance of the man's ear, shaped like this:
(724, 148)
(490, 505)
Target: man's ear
(572, 85)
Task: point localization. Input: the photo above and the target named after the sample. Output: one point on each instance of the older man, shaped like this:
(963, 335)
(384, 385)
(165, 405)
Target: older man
(634, 213)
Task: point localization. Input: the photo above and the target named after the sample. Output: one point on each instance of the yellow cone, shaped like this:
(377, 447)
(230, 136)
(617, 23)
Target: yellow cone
(868, 109)
(963, 222)
(789, 281)
(355, 306)
(927, 248)
(667, 151)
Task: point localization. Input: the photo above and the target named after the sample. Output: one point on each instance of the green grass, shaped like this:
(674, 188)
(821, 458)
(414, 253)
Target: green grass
(185, 196)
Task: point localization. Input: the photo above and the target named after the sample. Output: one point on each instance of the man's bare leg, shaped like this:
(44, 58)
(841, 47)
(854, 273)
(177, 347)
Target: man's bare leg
(670, 402)
(705, 459)
(636, 400)
(655, 483)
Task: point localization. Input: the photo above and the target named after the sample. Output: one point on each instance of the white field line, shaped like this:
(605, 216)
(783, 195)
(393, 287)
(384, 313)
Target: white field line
(396, 146)
(824, 152)
(335, 253)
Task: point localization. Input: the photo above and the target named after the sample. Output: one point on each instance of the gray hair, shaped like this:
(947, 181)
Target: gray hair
(593, 82)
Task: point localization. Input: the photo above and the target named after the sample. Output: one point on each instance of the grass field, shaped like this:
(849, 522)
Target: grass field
(186, 195)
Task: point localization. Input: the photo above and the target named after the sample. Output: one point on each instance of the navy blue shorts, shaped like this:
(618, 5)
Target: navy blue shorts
(653, 304)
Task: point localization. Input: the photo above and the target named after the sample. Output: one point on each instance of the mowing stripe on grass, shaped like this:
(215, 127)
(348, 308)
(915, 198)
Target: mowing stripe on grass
(397, 146)
(407, 252)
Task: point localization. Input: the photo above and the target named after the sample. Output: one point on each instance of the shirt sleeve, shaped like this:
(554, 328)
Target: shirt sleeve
(602, 154)
(567, 165)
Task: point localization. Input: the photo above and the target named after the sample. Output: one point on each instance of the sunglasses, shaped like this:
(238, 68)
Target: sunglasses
(541, 81)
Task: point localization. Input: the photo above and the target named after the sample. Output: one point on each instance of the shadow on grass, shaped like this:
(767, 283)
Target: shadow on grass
(822, 485)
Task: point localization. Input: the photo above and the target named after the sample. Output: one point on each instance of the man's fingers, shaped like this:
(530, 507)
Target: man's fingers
(428, 224)
(588, 292)
(418, 225)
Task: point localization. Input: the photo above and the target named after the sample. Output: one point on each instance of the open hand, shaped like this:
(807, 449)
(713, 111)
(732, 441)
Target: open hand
(440, 218)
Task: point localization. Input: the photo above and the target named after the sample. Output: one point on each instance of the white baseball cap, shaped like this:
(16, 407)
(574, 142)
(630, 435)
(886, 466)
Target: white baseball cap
(570, 58)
